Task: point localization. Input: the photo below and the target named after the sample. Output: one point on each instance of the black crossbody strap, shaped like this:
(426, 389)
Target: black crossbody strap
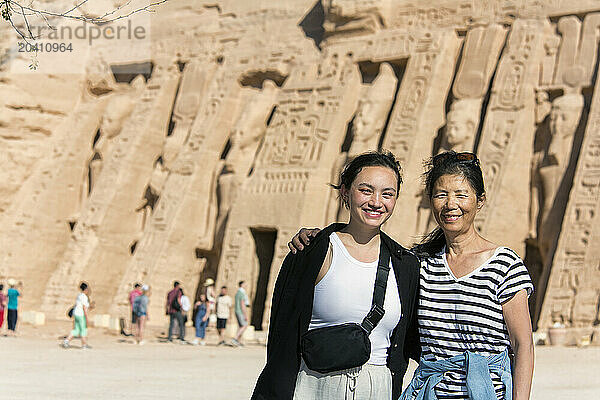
(383, 268)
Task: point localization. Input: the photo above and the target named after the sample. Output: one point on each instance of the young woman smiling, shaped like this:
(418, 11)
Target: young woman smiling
(332, 284)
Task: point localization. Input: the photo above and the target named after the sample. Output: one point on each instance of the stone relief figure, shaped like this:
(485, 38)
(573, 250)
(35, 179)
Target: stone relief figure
(459, 135)
(461, 126)
(245, 138)
(373, 109)
(117, 110)
(249, 129)
(564, 120)
(542, 110)
(193, 88)
(352, 17)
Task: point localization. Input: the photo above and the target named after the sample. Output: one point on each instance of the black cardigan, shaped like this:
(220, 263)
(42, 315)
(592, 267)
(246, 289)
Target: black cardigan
(291, 312)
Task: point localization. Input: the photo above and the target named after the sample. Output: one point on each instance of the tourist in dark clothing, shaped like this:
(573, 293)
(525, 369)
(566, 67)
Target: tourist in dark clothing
(173, 308)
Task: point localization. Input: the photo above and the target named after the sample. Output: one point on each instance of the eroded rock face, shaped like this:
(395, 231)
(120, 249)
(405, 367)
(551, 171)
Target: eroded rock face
(204, 162)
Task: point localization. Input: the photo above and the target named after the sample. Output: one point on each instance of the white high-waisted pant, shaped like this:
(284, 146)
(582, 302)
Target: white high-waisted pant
(369, 382)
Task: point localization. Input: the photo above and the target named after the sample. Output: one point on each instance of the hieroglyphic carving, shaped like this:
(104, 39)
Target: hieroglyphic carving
(244, 140)
(572, 290)
(230, 258)
(467, 13)
(389, 44)
(295, 160)
(410, 134)
(512, 105)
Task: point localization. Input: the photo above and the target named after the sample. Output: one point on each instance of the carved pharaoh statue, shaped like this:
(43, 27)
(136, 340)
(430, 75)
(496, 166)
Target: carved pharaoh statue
(372, 112)
(244, 140)
(461, 126)
(564, 120)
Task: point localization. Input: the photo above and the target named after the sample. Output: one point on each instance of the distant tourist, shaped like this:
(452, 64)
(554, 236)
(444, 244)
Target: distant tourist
(224, 304)
(80, 315)
(2, 304)
(140, 309)
(241, 313)
(201, 320)
(137, 291)
(186, 306)
(173, 307)
(13, 305)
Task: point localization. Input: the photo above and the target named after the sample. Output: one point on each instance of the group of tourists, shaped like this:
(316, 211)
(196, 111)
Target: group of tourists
(351, 305)
(178, 305)
(9, 305)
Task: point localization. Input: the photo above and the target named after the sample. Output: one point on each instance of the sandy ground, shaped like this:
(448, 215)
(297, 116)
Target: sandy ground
(35, 367)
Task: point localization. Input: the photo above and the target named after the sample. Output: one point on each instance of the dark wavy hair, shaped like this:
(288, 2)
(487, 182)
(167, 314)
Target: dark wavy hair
(447, 163)
(379, 158)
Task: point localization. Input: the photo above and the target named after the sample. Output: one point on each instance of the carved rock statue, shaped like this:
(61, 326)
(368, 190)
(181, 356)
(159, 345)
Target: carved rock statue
(351, 16)
(245, 139)
(564, 120)
(461, 126)
(373, 109)
(117, 110)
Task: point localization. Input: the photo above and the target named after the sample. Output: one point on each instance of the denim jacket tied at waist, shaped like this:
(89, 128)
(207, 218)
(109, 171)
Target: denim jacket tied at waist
(477, 367)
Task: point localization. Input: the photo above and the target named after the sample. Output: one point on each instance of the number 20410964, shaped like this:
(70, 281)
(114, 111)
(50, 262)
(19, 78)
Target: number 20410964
(25, 47)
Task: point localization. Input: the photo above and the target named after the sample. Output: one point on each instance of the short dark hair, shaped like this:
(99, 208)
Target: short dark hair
(240, 283)
(137, 285)
(176, 283)
(1, 286)
(379, 158)
(83, 286)
(223, 287)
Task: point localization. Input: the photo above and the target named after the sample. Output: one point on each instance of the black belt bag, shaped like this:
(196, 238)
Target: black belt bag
(339, 347)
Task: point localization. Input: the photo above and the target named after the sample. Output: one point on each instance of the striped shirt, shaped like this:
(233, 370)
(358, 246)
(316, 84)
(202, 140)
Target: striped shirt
(460, 314)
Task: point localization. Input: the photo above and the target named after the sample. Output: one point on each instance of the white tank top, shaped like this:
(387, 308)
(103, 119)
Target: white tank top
(345, 294)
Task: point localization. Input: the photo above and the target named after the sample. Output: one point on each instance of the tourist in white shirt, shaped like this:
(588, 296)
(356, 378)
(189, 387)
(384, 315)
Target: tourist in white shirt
(224, 304)
(80, 316)
(186, 306)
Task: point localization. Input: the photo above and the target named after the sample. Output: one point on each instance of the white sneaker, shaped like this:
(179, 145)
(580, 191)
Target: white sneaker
(65, 344)
(195, 342)
(202, 343)
(141, 343)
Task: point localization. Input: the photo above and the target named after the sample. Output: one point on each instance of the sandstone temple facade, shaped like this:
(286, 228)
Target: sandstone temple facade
(203, 158)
